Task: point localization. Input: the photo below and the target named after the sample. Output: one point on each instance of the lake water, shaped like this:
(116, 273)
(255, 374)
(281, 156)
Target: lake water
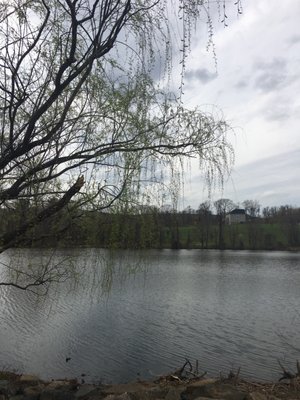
(133, 315)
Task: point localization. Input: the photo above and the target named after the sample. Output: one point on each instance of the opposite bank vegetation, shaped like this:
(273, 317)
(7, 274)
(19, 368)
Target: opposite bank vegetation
(278, 228)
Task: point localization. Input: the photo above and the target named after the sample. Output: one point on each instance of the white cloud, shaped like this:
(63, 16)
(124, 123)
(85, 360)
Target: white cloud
(272, 181)
(258, 89)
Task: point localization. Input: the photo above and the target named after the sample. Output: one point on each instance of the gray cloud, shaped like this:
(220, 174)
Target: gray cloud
(276, 164)
(202, 74)
(278, 112)
(268, 83)
(270, 75)
(273, 180)
(242, 83)
(294, 39)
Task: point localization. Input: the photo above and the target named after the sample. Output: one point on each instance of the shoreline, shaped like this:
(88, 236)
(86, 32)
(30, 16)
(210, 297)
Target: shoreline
(15, 386)
(112, 249)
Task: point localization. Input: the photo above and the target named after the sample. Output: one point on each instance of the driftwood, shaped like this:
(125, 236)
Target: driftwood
(186, 373)
(232, 377)
(235, 376)
(193, 372)
(289, 375)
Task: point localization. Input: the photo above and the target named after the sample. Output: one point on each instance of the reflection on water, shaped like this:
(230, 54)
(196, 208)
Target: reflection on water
(132, 313)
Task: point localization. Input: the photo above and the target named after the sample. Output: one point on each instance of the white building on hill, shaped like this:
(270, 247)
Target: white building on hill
(236, 216)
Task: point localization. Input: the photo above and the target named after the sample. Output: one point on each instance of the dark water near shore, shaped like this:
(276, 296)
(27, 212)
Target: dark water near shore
(140, 314)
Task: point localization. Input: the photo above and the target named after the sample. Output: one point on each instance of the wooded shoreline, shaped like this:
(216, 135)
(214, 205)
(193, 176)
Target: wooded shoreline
(154, 230)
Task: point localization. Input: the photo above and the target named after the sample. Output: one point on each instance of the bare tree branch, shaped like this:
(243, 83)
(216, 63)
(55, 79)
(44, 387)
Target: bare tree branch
(75, 102)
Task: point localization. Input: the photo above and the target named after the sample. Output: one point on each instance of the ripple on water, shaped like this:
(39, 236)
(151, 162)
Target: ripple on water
(229, 311)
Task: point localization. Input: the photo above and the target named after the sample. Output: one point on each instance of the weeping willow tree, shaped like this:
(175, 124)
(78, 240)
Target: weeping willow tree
(85, 116)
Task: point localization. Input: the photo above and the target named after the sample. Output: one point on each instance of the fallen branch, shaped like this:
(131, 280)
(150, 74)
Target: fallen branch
(182, 374)
(287, 374)
(193, 371)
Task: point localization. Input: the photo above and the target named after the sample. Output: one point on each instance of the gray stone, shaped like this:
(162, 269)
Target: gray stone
(123, 396)
(159, 392)
(8, 388)
(17, 397)
(257, 396)
(4, 387)
(57, 395)
(174, 393)
(62, 384)
(154, 393)
(202, 382)
(215, 391)
(128, 388)
(29, 380)
(207, 398)
(85, 390)
(32, 392)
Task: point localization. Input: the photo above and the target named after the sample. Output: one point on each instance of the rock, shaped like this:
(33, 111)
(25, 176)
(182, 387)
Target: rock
(135, 391)
(206, 398)
(4, 387)
(57, 395)
(257, 396)
(203, 382)
(30, 387)
(8, 388)
(123, 396)
(128, 388)
(158, 392)
(59, 390)
(152, 394)
(174, 393)
(17, 397)
(213, 391)
(32, 392)
(29, 380)
(85, 390)
(62, 385)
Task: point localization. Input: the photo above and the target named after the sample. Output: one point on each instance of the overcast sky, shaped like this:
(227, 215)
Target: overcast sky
(257, 86)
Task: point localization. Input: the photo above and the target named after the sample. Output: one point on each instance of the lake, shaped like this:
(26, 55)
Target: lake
(127, 315)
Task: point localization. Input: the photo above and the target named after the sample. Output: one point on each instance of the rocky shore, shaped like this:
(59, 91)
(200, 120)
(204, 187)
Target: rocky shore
(30, 387)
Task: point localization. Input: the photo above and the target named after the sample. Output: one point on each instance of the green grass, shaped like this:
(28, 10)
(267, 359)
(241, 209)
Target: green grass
(258, 236)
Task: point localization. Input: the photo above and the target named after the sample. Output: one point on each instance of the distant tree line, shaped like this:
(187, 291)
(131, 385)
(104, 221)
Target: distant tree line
(150, 227)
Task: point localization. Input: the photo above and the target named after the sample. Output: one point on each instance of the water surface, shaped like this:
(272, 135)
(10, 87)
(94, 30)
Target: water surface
(140, 314)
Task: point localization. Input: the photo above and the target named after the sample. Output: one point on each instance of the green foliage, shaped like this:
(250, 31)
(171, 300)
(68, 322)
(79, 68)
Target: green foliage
(79, 99)
(153, 229)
